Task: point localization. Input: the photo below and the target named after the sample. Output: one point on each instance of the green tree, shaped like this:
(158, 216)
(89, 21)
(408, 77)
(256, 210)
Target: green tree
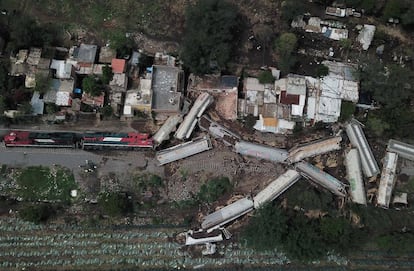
(119, 41)
(394, 9)
(107, 74)
(266, 229)
(211, 28)
(285, 45)
(43, 83)
(377, 125)
(115, 204)
(292, 9)
(322, 70)
(25, 108)
(266, 77)
(91, 86)
(214, 188)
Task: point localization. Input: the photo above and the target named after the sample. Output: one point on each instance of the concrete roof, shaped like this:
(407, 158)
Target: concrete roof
(366, 35)
(253, 84)
(86, 53)
(34, 56)
(166, 86)
(296, 85)
(37, 104)
(106, 54)
(119, 82)
(63, 69)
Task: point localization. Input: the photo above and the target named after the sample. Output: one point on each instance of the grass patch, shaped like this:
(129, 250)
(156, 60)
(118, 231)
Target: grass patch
(45, 184)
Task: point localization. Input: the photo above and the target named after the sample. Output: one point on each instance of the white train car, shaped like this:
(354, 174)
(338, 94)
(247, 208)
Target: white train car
(276, 188)
(354, 176)
(314, 148)
(322, 178)
(387, 181)
(227, 214)
(261, 151)
(187, 126)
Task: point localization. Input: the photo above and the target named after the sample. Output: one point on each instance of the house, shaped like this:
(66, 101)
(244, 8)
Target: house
(222, 88)
(62, 69)
(84, 54)
(60, 92)
(37, 104)
(139, 99)
(273, 125)
(119, 82)
(118, 65)
(167, 86)
(97, 101)
(163, 59)
(106, 54)
(334, 11)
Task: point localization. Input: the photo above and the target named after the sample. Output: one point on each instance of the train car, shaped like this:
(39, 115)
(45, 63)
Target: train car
(116, 140)
(40, 139)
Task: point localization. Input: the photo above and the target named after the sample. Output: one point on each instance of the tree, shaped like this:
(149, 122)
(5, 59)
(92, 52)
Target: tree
(292, 9)
(266, 77)
(107, 74)
(211, 28)
(394, 9)
(377, 125)
(347, 110)
(123, 45)
(285, 46)
(91, 86)
(43, 83)
(26, 108)
(266, 229)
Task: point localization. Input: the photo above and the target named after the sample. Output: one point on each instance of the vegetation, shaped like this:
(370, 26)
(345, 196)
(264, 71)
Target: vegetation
(37, 213)
(42, 183)
(211, 29)
(291, 9)
(214, 188)
(285, 45)
(250, 121)
(115, 203)
(107, 111)
(392, 88)
(322, 70)
(300, 237)
(376, 125)
(122, 43)
(266, 77)
(91, 86)
(347, 110)
(43, 83)
(107, 74)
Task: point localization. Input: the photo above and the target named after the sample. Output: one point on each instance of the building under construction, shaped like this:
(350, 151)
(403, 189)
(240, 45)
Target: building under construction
(314, 148)
(387, 181)
(322, 178)
(354, 176)
(187, 126)
(276, 188)
(403, 150)
(357, 137)
(183, 150)
(261, 151)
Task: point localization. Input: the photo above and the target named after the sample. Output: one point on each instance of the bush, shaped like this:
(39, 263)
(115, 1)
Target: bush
(292, 9)
(91, 86)
(214, 188)
(266, 77)
(107, 111)
(37, 213)
(322, 70)
(115, 203)
(347, 110)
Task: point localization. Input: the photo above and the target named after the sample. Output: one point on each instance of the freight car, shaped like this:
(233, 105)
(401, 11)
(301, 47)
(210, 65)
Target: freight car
(116, 140)
(41, 139)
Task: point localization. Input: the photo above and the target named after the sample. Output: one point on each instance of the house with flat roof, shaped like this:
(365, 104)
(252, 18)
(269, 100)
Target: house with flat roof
(138, 99)
(167, 85)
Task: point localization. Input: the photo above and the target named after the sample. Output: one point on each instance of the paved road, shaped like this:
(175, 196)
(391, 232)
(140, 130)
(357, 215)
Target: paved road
(46, 157)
